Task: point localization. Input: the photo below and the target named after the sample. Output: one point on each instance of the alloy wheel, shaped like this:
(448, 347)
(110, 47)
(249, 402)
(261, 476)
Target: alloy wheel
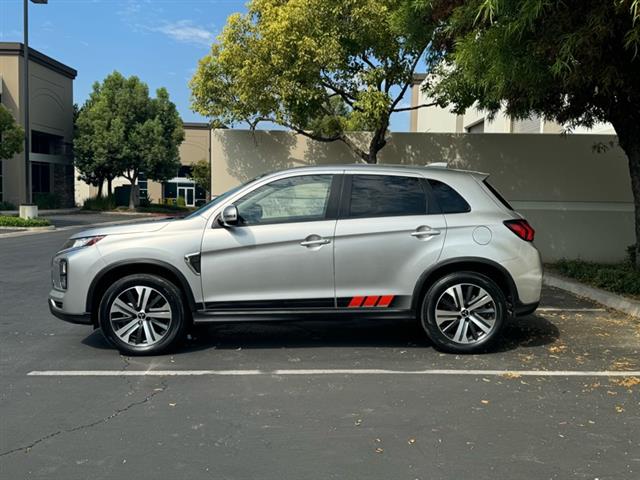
(466, 313)
(140, 316)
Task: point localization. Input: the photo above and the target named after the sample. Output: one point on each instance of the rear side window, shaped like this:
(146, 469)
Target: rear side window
(497, 194)
(386, 195)
(449, 200)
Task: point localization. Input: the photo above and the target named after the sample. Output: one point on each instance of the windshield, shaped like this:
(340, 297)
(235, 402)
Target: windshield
(221, 198)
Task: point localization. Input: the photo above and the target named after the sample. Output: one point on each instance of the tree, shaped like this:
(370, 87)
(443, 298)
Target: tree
(319, 68)
(201, 174)
(11, 135)
(574, 61)
(121, 131)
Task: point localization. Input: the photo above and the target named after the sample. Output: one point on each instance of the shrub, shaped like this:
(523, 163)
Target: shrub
(180, 202)
(100, 204)
(47, 201)
(10, 221)
(7, 206)
(618, 278)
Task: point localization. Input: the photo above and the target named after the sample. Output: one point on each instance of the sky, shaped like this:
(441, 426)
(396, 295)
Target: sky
(159, 41)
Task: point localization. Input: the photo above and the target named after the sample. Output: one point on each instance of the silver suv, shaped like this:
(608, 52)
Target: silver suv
(356, 241)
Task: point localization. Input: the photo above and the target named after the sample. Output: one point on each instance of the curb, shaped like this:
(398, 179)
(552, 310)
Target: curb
(608, 299)
(30, 229)
(45, 213)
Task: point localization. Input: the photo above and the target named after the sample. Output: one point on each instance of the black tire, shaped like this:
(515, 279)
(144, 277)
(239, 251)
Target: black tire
(164, 292)
(481, 341)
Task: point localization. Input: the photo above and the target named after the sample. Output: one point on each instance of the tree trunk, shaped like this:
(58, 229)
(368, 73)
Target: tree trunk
(100, 184)
(109, 189)
(132, 194)
(628, 130)
(377, 143)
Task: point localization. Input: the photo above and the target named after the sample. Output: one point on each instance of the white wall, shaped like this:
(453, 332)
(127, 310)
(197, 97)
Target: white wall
(579, 201)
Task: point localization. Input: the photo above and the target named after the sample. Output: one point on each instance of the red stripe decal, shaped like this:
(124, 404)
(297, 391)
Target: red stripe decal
(356, 302)
(371, 301)
(385, 300)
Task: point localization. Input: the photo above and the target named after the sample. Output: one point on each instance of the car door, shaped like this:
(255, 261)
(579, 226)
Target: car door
(280, 255)
(388, 234)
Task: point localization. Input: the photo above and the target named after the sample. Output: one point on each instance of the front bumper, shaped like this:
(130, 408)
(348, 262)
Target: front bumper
(81, 319)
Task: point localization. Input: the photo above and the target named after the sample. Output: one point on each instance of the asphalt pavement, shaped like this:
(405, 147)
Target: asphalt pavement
(313, 400)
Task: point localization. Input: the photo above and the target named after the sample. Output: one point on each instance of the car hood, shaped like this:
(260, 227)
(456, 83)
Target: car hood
(141, 227)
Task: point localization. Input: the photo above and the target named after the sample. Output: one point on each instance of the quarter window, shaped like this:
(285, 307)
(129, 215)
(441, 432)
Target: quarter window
(386, 195)
(294, 199)
(449, 200)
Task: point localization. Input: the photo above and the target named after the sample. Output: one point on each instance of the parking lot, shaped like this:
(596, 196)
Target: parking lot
(559, 398)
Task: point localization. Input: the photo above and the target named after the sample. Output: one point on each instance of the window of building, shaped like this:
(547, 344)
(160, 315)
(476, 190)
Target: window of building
(527, 125)
(477, 127)
(40, 177)
(386, 195)
(449, 200)
(184, 171)
(295, 199)
(143, 185)
(46, 143)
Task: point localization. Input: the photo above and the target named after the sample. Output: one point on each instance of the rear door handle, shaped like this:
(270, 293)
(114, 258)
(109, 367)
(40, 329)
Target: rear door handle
(314, 241)
(425, 231)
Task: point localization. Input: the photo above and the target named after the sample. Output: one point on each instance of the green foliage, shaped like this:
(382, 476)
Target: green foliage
(47, 201)
(167, 207)
(10, 221)
(201, 174)
(180, 202)
(7, 206)
(319, 68)
(100, 203)
(574, 61)
(11, 135)
(120, 130)
(621, 278)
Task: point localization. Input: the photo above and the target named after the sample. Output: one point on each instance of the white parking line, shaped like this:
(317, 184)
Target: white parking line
(553, 309)
(338, 371)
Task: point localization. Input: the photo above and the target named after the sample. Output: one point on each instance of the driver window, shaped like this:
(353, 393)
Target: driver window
(294, 199)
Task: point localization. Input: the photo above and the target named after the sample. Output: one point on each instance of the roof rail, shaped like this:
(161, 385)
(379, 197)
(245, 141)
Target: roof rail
(438, 165)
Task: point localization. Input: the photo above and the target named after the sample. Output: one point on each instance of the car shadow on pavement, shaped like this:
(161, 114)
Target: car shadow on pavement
(530, 331)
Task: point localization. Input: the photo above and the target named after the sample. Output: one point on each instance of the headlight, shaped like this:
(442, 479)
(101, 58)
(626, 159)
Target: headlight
(82, 242)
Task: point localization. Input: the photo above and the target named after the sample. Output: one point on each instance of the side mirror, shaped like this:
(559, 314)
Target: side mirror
(229, 216)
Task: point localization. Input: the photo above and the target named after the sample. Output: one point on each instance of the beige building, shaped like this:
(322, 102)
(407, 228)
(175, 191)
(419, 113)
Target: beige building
(51, 125)
(578, 200)
(196, 146)
(442, 120)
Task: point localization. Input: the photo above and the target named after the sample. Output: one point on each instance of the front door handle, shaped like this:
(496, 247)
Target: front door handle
(425, 231)
(314, 241)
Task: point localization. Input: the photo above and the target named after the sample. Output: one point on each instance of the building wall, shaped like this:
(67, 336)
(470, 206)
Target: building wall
(12, 169)
(579, 201)
(51, 112)
(442, 120)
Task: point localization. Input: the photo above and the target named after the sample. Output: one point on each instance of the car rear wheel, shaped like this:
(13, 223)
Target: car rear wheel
(142, 314)
(464, 312)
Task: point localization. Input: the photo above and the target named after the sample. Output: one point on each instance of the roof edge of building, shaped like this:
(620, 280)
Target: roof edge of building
(17, 48)
(197, 125)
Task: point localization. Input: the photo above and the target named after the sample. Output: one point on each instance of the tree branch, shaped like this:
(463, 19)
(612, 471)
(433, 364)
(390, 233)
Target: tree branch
(406, 109)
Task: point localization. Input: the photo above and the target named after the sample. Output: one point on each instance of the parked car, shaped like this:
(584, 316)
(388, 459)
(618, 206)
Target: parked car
(368, 241)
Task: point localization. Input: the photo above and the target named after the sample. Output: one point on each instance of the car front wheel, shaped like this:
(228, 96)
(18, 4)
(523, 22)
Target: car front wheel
(142, 314)
(464, 312)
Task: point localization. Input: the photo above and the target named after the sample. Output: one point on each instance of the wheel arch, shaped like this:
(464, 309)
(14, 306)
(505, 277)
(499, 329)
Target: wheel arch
(491, 269)
(117, 270)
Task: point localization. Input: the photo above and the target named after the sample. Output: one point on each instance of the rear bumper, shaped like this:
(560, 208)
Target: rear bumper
(81, 319)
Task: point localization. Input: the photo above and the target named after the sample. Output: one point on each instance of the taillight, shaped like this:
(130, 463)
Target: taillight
(521, 228)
